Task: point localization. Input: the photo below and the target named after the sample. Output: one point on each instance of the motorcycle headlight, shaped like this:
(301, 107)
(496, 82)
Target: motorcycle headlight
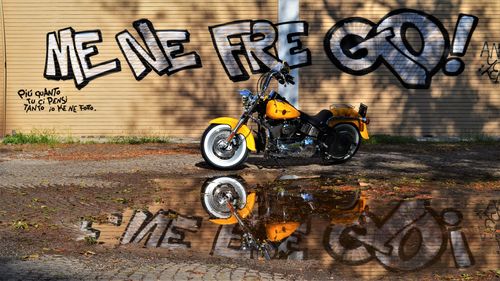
(246, 97)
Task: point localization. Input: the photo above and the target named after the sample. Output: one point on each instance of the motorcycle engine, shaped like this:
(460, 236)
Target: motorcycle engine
(284, 131)
(287, 130)
(290, 140)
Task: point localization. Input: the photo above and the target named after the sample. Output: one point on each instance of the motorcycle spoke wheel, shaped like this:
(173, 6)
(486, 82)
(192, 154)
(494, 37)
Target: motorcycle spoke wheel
(220, 154)
(217, 192)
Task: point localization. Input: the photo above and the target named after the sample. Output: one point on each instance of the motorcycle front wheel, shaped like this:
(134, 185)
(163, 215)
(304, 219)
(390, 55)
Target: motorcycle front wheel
(220, 154)
(217, 192)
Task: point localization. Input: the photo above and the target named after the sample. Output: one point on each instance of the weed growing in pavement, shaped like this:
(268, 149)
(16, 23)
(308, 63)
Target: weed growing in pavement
(23, 225)
(480, 138)
(89, 240)
(138, 140)
(89, 218)
(20, 225)
(121, 200)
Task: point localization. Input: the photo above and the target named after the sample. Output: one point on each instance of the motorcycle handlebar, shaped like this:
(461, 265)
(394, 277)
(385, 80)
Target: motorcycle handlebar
(281, 72)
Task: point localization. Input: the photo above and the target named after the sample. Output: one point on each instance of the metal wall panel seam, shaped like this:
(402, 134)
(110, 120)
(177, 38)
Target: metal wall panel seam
(4, 65)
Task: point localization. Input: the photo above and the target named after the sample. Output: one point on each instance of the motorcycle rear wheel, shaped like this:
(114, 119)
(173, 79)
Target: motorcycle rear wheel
(218, 156)
(343, 144)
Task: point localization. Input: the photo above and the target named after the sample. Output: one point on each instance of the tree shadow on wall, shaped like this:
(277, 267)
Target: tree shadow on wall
(127, 9)
(210, 99)
(187, 100)
(453, 109)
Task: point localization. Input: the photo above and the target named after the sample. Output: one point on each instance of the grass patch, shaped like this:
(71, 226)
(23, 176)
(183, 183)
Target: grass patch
(479, 138)
(463, 139)
(50, 138)
(23, 224)
(387, 139)
(32, 138)
(89, 240)
(138, 140)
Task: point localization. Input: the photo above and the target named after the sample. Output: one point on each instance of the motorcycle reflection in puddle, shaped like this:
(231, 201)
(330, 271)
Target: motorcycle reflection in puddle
(268, 215)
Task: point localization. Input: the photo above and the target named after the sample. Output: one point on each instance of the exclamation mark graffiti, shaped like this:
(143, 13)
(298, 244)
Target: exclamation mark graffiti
(463, 33)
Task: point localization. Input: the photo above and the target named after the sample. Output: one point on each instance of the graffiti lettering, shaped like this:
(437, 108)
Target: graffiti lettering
(409, 237)
(490, 68)
(490, 53)
(87, 231)
(386, 239)
(256, 41)
(69, 58)
(164, 54)
(166, 229)
(227, 243)
(355, 45)
(290, 248)
(358, 46)
(49, 100)
(491, 217)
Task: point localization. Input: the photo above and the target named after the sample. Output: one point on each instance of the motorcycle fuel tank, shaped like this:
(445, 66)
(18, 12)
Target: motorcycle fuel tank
(281, 110)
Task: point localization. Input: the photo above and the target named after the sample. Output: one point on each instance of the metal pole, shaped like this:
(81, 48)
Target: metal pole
(288, 10)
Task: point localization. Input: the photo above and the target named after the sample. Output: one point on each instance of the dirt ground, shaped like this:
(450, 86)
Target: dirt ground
(46, 191)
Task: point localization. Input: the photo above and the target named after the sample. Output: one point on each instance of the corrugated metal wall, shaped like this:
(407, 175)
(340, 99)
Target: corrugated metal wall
(2, 73)
(182, 103)
(451, 106)
(176, 105)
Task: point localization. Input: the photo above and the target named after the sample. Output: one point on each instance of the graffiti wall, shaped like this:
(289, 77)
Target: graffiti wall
(144, 67)
(380, 52)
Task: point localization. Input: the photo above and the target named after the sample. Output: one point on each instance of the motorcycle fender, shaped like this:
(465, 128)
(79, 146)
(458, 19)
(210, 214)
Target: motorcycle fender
(244, 130)
(243, 213)
(278, 231)
(363, 131)
(349, 216)
(362, 128)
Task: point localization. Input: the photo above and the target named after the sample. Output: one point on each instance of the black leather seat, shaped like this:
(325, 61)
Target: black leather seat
(318, 120)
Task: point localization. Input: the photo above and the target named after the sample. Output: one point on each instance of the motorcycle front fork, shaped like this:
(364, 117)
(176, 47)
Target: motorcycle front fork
(248, 239)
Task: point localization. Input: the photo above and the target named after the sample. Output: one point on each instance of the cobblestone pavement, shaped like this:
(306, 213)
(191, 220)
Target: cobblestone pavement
(67, 268)
(29, 173)
(27, 176)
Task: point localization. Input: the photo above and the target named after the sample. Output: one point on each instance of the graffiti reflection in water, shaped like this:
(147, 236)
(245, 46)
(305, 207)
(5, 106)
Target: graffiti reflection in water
(309, 219)
(386, 239)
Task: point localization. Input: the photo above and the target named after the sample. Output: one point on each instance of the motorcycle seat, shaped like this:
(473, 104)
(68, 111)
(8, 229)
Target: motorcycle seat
(318, 120)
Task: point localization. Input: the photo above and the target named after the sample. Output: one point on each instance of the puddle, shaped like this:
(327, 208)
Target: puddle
(315, 218)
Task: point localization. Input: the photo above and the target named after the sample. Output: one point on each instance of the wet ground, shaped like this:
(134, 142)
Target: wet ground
(137, 212)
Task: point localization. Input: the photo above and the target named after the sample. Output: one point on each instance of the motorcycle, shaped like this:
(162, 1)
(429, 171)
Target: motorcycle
(279, 213)
(282, 130)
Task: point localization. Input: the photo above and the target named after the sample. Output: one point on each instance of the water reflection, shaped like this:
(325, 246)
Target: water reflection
(320, 219)
(267, 217)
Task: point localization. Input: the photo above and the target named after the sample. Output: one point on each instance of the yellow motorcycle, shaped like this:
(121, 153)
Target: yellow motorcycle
(282, 130)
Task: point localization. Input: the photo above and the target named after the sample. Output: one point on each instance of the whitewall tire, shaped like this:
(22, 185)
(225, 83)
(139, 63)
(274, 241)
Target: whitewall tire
(218, 155)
